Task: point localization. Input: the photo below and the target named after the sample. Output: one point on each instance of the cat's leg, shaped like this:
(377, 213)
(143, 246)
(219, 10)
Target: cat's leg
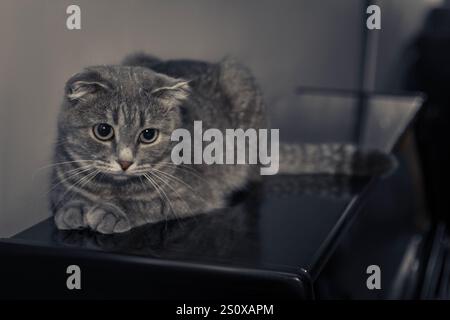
(123, 215)
(70, 215)
(103, 218)
(107, 218)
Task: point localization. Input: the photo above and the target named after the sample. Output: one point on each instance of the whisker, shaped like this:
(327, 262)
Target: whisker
(190, 168)
(60, 163)
(83, 170)
(193, 172)
(177, 193)
(76, 169)
(189, 210)
(85, 178)
(82, 182)
(159, 194)
(155, 185)
(170, 176)
(164, 193)
(186, 169)
(180, 166)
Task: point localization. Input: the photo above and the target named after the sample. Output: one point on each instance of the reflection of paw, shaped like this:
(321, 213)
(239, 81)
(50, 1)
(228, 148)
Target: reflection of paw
(107, 219)
(70, 216)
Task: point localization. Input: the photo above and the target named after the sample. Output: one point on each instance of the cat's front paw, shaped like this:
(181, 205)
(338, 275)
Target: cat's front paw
(70, 216)
(107, 219)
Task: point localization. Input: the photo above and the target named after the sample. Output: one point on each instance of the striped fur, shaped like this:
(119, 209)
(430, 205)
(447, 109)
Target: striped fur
(89, 189)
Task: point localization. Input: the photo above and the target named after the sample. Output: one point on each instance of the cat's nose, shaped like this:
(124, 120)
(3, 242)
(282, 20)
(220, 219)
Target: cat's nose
(125, 164)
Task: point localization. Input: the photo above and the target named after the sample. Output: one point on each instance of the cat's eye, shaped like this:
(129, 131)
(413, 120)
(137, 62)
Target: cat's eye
(103, 131)
(148, 135)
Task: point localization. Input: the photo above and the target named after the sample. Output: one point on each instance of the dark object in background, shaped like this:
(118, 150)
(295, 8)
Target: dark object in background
(430, 73)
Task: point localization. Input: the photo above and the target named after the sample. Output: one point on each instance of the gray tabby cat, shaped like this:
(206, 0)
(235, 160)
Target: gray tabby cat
(112, 163)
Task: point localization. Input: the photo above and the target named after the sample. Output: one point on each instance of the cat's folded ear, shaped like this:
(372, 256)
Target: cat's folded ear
(171, 94)
(86, 84)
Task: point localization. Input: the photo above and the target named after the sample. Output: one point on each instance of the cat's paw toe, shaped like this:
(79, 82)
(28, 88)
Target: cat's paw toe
(70, 217)
(107, 220)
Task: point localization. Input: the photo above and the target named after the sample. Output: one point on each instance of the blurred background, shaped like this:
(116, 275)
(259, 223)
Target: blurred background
(288, 44)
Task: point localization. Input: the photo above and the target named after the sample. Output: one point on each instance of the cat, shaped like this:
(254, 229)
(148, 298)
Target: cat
(112, 168)
(232, 232)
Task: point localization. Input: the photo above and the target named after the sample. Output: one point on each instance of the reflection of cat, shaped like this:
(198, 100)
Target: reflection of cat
(229, 234)
(112, 165)
(225, 233)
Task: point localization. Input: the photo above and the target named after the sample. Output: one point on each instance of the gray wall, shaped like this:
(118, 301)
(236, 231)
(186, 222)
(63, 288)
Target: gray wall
(285, 43)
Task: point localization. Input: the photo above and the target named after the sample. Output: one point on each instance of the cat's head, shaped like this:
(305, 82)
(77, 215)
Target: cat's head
(120, 118)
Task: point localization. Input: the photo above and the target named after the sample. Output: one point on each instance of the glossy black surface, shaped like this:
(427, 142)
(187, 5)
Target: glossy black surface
(278, 226)
(290, 225)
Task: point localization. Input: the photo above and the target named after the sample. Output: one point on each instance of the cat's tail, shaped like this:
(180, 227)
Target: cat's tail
(141, 59)
(334, 158)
